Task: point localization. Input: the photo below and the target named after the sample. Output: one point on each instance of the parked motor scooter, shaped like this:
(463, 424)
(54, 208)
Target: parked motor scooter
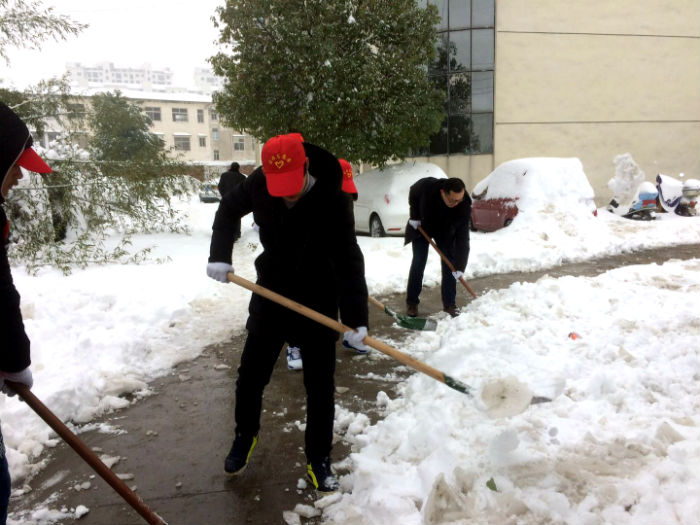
(641, 207)
(679, 197)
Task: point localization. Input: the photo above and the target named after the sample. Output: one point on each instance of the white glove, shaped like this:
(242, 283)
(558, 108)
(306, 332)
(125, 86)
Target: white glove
(218, 271)
(457, 275)
(415, 223)
(24, 377)
(354, 338)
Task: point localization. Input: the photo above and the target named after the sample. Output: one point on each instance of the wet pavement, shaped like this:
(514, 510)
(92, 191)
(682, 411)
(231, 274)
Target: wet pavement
(171, 445)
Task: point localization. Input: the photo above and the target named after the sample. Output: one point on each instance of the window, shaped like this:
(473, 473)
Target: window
(182, 143)
(200, 115)
(179, 114)
(52, 136)
(215, 133)
(153, 113)
(213, 115)
(77, 110)
(463, 72)
(216, 154)
(239, 143)
(202, 142)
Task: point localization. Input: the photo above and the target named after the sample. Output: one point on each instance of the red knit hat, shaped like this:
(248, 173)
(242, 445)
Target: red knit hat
(283, 160)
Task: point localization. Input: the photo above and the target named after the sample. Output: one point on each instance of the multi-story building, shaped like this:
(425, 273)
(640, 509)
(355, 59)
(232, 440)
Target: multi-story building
(186, 123)
(184, 119)
(105, 74)
(206, 81)
(566, 78)
(189, 125)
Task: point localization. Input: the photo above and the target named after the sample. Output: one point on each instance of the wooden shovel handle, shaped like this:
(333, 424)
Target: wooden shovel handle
(84, 452)
(446, 261)
(375, 302)
(341, 328)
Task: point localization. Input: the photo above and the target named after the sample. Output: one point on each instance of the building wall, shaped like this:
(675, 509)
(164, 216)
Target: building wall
(596, 79)
(217, 137)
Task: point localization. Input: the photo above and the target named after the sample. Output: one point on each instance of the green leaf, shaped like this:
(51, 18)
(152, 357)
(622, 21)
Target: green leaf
(491, 484)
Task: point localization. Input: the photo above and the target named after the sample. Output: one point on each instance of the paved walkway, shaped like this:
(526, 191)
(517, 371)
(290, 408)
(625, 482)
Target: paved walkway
(175, 441)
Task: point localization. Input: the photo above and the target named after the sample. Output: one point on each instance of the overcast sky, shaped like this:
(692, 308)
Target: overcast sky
(178, 34)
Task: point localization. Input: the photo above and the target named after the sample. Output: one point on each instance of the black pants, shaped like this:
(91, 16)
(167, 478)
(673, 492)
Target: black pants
(260, 353)
(415, 275)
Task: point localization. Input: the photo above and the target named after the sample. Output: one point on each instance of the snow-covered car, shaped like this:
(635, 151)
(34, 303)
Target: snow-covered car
(381, 207)
(531, 184)
(209, 193)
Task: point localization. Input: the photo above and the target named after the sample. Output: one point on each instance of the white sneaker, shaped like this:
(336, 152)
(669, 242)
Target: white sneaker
(294, 358)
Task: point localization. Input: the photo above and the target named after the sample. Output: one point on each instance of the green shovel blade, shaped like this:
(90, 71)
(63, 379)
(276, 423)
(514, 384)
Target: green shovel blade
(413, 323)
(416, 323)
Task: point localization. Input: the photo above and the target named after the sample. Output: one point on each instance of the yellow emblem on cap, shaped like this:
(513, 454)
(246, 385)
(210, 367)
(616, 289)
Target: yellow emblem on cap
(279, 160)
(348, 174)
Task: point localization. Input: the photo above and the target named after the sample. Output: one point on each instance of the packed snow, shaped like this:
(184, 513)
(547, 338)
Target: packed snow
(617, 353)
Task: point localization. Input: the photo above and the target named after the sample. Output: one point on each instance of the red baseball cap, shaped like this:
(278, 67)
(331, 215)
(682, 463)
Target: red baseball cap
(30, 160)
(348, 182)
(283, 160)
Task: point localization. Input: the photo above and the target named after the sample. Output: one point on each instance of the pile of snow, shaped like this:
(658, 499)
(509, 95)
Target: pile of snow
(619, 443)
(625, 184)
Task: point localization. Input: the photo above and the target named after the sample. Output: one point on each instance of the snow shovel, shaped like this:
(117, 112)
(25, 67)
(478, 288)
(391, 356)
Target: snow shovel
(504, 397)
(447, 261)
(405, 321)
(84, 452)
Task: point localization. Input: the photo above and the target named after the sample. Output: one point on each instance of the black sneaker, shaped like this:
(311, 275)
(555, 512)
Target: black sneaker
(321, 476)
(239, 455)
(411, 310)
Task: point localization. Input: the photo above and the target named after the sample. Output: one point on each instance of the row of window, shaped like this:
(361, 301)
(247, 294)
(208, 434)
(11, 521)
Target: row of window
(178, 114)
(182, 142)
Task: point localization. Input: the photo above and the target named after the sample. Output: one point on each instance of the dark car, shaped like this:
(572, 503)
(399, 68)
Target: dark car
(492, 214)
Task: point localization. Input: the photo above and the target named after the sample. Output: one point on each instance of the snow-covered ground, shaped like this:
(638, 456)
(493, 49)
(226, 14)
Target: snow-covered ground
(620, 442)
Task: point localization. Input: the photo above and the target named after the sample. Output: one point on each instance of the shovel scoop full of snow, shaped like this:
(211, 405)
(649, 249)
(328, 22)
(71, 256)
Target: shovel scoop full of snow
(507, 397)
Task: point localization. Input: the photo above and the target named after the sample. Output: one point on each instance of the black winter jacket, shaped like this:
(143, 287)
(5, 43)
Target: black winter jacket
(310, 252)
(14, 343)
(229, 180)
(426, 204)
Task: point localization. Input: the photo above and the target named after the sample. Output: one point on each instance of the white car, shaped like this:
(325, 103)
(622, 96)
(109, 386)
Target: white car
(381, 207)
(209, 192)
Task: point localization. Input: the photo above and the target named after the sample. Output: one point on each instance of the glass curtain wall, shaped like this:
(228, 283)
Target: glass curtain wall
(463, 71)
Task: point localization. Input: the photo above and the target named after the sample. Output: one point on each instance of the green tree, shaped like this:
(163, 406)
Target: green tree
(121, 130)
(49, 98)
(27, 23)
(65, 218)
(349, 75)
(127, 186)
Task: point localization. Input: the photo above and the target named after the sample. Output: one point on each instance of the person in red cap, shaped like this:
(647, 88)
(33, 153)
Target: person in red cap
(15, 153)
(294, 359)
(348, 181)
(310, 255)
